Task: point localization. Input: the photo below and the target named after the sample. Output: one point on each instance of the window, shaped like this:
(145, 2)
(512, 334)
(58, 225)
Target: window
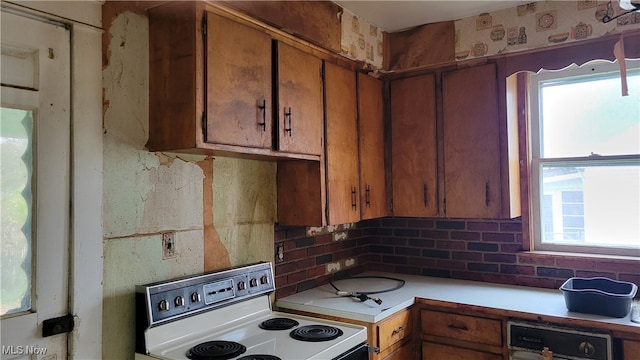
(16, 170)
(585, 142)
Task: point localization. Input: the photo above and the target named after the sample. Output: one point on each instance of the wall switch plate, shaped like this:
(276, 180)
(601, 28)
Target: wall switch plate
(168, 245)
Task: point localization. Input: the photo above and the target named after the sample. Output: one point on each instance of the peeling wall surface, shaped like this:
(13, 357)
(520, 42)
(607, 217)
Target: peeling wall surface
(146, 194)
(244, 203)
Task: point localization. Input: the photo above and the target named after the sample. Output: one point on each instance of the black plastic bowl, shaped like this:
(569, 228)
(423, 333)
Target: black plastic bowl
(599, 295)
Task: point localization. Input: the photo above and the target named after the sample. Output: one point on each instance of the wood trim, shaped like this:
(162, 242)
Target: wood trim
(557, 56)
(317, 21)
(522, 85)
(424, 45)
(279, 35)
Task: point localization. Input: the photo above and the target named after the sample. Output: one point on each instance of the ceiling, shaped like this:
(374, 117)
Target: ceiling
(392, 16)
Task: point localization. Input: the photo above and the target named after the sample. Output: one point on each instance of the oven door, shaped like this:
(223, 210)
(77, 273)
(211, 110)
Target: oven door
(360, 352)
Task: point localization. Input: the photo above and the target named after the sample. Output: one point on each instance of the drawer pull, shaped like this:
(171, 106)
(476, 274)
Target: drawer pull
(458, 327)
(397, 331)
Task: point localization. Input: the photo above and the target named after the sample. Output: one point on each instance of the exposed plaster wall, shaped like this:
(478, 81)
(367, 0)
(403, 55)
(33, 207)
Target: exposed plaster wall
(244, 208)
(146, 194)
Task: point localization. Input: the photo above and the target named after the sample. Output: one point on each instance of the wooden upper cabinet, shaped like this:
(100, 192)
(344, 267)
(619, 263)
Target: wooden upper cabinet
(373, 198)
(300, 193)
(211, 87)
(176, 71)
(413, 149)
(342, 145)
(239, 106)
(472, 186)
(300, 115)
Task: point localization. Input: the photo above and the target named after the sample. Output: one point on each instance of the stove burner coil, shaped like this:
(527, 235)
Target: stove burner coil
(216, 350)
(278, 324)
(259, 357)
(315, 333)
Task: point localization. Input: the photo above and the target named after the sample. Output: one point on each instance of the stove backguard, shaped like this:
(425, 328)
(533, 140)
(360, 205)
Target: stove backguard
(166, 301)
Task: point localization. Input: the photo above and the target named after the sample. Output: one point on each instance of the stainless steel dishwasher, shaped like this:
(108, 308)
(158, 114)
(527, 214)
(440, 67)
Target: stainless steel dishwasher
(526, 341)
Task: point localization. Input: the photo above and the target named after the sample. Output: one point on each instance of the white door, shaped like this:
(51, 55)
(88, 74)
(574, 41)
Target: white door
(35, 181)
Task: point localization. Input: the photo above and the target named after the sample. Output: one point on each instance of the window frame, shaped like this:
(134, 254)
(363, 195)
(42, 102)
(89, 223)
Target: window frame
(537, 161)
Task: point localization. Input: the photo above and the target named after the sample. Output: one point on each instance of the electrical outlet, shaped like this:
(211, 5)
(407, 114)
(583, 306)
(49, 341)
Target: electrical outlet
(280, 252)
(168, 245)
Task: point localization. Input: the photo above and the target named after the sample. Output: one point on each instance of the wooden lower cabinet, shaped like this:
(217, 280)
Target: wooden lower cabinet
(392, 336)
(434, 351)
(451, 335)
(631, 349)
(405, 352)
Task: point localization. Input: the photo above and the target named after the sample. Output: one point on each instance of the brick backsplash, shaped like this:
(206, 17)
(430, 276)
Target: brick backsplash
(481, 250)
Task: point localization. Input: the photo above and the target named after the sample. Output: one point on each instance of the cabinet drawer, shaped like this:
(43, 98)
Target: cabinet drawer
(394, 329)
(433, 351)
(461, 327)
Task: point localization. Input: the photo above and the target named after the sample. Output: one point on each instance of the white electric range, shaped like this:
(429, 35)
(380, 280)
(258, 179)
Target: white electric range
(227, 315)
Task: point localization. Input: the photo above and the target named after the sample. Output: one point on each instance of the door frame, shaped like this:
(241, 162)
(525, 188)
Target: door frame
(86, 233)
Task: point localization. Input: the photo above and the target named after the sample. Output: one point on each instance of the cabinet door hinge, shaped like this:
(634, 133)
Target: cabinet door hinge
(204, 126)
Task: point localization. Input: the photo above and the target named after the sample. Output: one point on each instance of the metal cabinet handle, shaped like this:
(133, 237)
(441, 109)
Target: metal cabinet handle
(397, 331)
(367, 196)
(353, 198)
(425, 195)
(458, 327)
(263, 108)
(287, 115)
(486, 193)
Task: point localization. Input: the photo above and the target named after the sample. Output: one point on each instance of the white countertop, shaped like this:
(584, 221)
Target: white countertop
(544, 302)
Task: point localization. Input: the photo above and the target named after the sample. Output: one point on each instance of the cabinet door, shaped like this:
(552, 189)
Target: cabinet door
(413, 137)
(299, 101)
(373, 198)
(471, 143)
(300, 200)
(405, 352)
(395, 329)
(631, 349)
(239, 100)
(433, 351)
(342, 145)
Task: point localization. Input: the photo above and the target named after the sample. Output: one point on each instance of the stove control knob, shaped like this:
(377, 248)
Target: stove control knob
(195, 297)
(179, 301)
(587, 348)
(163, 305)
(264, 280)
(253, 282)
(242, 285)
